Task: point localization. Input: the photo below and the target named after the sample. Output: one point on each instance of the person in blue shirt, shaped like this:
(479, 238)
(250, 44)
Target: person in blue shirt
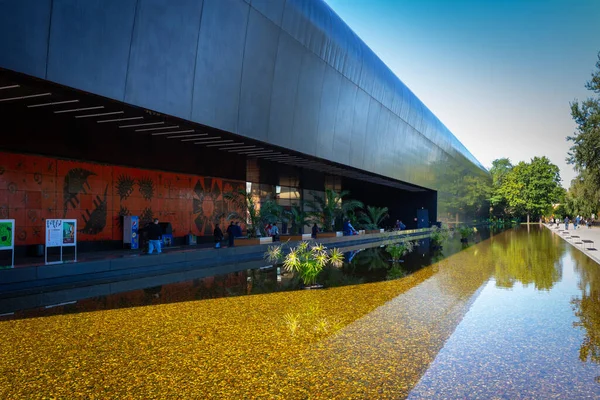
(349, 229)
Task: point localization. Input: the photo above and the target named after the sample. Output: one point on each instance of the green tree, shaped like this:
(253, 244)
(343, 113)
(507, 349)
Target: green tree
(532, 188)
(584, 154)
(373, 218)
(583, 196)
(326, 209)
(498, 203)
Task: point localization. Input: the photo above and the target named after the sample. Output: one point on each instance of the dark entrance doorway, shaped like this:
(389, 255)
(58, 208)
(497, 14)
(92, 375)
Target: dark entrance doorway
(422, 218)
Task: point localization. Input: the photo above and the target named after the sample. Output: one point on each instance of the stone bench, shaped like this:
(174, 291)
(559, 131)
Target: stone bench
(587, 241)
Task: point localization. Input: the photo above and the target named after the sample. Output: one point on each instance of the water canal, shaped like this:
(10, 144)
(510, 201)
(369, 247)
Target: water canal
(516, 315)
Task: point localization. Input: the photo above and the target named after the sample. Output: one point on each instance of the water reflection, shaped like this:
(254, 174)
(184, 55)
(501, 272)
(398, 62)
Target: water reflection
(452, 325)
(520, 343)
(527, 257)
(587, 308)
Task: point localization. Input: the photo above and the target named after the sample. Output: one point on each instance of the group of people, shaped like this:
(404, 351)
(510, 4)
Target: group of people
(233, 230)
(272, 231)
(578, 221)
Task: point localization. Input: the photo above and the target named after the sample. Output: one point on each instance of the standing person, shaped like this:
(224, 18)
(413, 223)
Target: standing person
(589, 223)
(218, 234)
(576, 222)
(315, 231)
(237, 229)
(154, 236)
(567, 223)
(275, 232)
(230, 234)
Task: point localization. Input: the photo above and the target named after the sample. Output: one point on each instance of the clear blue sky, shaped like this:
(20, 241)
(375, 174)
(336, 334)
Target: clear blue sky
(499, 74)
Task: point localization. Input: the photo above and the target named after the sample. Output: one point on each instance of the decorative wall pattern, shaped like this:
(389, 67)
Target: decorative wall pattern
(33, 188)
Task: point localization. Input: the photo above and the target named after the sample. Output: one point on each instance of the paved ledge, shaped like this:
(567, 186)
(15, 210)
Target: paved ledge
(583, 238)
(113, 269)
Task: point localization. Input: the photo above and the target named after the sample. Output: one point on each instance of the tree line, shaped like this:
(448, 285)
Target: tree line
(583, 196)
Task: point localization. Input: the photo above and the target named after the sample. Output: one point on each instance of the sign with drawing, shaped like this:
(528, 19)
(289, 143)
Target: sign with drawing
(7, 237)
(61, 233)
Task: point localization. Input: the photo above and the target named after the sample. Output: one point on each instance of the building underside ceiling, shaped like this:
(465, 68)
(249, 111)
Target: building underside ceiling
(37, 97)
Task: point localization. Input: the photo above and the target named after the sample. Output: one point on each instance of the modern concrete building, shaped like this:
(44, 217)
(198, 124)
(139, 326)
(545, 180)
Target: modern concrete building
(157, 107)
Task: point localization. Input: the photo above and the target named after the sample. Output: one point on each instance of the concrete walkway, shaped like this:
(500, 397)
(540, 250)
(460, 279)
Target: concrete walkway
(585, 239)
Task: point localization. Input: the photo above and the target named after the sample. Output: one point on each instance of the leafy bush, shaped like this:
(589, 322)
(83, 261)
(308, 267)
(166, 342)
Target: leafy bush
(466, 231)
(398, 249)
(306, 260)
(440, 235)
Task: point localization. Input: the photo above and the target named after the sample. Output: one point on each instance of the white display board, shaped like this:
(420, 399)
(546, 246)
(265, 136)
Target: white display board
(7, 237)
(61, 233)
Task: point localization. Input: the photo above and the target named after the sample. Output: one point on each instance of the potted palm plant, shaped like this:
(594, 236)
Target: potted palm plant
(298, 220)
(331, 207)
(373, 218)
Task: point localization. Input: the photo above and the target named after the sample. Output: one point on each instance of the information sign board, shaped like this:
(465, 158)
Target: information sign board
(61, 233)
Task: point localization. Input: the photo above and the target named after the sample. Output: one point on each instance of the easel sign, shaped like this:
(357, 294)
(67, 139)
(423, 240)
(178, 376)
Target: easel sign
(7, 237)
(61, 233)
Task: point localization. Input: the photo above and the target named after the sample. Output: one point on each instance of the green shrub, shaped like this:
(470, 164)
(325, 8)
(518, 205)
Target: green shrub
(307, 260)
(398, 249)
(440, 235)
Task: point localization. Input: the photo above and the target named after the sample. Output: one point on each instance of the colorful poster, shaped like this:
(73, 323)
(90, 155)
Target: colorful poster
(54, 233)
(68, 233)
(7, 234)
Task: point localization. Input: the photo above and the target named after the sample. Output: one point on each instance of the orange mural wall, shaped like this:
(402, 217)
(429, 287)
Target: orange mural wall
(34, 188)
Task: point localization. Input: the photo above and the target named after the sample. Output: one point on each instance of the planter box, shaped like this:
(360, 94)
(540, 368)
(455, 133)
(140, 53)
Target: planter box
(330, 234)
(293, 238)
(253, 241)
(327, 235)
(372, 231)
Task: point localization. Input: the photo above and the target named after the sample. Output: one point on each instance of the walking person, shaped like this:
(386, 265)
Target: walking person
(230, 234)
(218, 234)
(154, 236)
(566, 223)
